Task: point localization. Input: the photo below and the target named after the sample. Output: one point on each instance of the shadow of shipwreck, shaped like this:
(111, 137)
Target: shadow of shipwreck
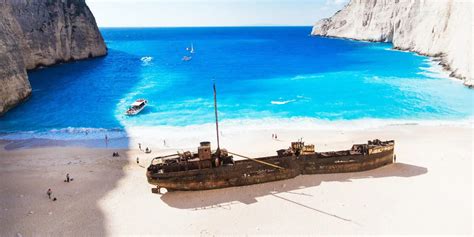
(222, 198)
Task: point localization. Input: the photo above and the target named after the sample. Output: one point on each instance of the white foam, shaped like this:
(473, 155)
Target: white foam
(284, 102)
(146, 59)
(69, 133)
(233, 126)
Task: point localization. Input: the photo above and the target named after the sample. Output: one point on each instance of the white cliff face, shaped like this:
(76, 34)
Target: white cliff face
(42, 33)
(14, 84)
(440, 28)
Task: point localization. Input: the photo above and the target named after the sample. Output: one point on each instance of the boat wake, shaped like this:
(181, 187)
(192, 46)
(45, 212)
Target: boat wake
(284, 102)
(146, 60)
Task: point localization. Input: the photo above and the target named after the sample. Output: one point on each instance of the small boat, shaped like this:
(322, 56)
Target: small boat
(187, 58)
(136, 107)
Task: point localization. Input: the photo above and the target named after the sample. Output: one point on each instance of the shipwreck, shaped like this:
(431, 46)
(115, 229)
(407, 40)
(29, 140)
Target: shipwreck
(212, 169)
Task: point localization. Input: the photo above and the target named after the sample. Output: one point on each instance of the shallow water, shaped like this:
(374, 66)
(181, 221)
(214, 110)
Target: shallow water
(260, 72)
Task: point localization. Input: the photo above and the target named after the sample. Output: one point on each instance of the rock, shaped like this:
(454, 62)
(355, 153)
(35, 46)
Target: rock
(431, 27)
(42, 33)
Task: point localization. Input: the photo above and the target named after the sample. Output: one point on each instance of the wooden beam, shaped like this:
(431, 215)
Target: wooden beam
(258, 161)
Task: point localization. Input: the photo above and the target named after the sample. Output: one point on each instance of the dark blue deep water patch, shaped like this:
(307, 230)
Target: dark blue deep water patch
(260, 72)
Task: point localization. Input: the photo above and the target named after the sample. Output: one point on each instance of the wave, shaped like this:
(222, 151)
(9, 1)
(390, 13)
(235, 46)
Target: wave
(69, 133)
(308, 76)
(284, 102)
(434, 70)
(182, 136)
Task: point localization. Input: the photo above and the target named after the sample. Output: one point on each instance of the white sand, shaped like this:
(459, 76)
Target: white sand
(428, 191)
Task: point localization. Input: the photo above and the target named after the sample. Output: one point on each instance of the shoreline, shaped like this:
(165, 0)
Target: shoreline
(88, 135)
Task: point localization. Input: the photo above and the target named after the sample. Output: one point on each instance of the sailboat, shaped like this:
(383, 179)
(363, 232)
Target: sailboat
(190, 49)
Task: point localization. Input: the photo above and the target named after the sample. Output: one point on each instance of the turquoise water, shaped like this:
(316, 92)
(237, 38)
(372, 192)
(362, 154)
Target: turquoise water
(260, 72)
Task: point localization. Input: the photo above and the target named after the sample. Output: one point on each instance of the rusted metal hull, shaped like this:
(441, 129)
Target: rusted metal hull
(246, 172)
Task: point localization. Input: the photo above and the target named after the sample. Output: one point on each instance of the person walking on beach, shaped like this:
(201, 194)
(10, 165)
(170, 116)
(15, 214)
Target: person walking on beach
(273, 136)
(67, 177)
(140, 146)
(276, 138)
(138, 160)
(49, 192)
(106, 140)
(164, 142)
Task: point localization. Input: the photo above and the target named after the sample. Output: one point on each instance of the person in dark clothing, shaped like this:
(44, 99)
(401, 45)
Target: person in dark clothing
(138, 160)
(49, 192)
(67, 177)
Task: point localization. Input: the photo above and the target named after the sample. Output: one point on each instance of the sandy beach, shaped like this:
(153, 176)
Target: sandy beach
(428, 190)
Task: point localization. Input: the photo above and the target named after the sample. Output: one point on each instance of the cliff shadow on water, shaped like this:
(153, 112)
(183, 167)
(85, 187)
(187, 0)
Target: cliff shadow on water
(65, 112)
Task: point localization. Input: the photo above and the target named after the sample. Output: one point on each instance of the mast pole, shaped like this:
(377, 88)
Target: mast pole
(217, 120)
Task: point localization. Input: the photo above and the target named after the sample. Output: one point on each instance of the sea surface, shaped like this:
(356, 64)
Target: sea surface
(260, 73)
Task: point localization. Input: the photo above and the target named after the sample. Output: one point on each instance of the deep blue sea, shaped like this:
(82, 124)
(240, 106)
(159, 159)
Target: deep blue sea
(260, 72)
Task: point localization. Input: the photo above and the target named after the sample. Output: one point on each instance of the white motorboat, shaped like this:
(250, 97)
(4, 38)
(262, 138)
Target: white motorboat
(187, 58)
(136, 107)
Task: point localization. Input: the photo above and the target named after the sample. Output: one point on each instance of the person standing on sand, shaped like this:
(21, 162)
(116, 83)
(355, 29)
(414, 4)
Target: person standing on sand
(106, 140)
(138, 160)
(276, 138)
(273, 136)
(67, 177)
(164, 142)
(49, 192)
(140, 146)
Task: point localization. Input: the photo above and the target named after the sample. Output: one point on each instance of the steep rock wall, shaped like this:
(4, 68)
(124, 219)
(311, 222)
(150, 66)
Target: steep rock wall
(439, 28)
(42, 33)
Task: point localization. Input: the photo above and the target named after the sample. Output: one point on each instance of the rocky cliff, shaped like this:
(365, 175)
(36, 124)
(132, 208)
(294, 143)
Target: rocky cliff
(439, 28)
(41, 33)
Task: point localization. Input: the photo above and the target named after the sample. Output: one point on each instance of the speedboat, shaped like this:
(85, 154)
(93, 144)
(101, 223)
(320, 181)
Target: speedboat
(187, 58)
(136, 107)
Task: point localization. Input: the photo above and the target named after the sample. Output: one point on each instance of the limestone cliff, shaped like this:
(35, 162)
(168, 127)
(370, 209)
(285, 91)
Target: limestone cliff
(41, 33)
(439, 28)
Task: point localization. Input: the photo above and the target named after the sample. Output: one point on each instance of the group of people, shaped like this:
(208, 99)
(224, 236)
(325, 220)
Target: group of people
(115, 154)
(50, 192)
(274, 136)
(147, 150)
